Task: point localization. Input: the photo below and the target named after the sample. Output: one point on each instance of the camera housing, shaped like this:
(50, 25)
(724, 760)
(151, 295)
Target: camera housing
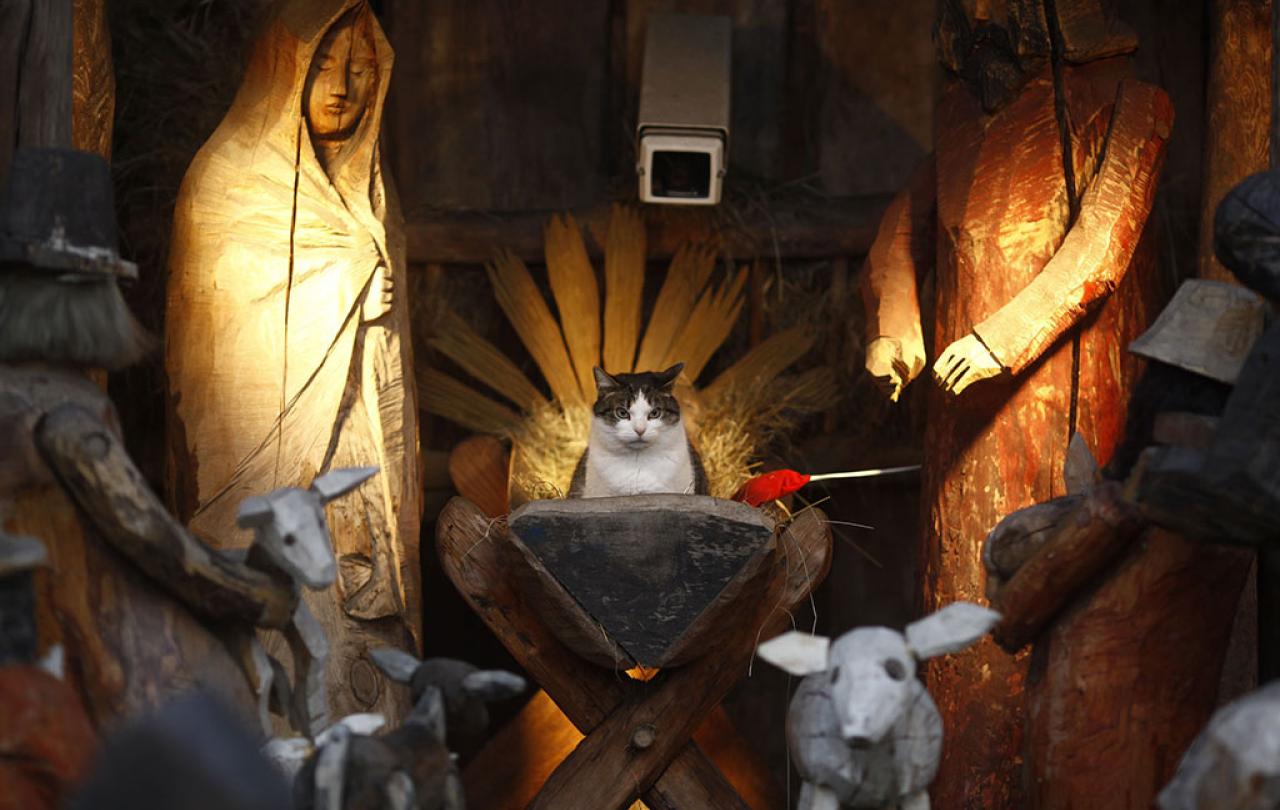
(683, 127)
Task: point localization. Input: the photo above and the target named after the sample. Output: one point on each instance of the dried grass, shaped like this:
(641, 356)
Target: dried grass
(444, 396)
(624, 265)
(708, 326)
(546, 446)
(764, 362)
(455, 339)
(527, 311)
(686, 276)
(577, 296)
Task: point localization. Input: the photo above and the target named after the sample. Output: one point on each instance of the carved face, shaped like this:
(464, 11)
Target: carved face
(341, 81)
(871, 673)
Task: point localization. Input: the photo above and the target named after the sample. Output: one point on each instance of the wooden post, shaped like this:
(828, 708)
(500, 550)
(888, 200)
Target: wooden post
(1239, 110)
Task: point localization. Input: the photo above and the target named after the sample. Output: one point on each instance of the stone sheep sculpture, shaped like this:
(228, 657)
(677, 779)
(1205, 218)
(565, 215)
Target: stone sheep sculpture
(862, 729)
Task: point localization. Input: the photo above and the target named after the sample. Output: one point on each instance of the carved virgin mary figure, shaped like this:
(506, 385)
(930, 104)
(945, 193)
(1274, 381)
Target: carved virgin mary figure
(287, 327)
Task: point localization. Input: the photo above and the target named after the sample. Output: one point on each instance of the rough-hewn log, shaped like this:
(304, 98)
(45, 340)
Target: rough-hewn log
(473, 556)
(93, 467)
(685, 695)
(1236, 139)
(1128, 674)
(785, 229)
(1086, 540)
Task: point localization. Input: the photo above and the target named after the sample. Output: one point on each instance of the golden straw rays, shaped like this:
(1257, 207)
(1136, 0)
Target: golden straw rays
(732, 421)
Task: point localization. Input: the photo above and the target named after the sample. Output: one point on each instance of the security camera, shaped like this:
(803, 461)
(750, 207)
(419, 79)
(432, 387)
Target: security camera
(683, 131)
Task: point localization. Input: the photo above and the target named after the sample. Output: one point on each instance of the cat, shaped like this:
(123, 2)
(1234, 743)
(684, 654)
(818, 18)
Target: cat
(638, 443)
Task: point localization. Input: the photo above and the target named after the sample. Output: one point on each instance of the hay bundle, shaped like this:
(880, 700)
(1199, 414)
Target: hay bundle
(732, 420)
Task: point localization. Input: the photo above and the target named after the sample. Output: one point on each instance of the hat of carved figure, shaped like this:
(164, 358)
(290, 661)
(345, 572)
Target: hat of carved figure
(1246, 233)
(1208, 328)
(57, 214)
(59, 264)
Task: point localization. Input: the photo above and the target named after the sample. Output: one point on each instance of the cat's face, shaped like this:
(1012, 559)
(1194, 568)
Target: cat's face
(637, 411)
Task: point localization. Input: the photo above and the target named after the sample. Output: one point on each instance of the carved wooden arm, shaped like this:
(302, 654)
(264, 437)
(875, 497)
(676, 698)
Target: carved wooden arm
(903, 249)
(1096, 252)
(97, 473)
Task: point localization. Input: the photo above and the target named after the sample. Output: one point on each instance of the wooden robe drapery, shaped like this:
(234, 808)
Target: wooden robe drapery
(276, 371)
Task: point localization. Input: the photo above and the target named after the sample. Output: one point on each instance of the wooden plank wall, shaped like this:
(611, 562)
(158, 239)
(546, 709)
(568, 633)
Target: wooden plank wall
(506, 107)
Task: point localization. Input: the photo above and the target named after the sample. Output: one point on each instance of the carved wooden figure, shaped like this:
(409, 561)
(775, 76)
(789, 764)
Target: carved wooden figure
(130, 641)
(862, 728)
(1031, 211)
(287, 347)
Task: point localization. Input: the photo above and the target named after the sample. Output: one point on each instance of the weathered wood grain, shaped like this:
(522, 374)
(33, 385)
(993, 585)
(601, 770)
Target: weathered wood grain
(485, 90)
(644, 570)
(474, 559)
(786, 229)
(1086, 540)
(93, 467)
(1128, 674)
(1238, 114)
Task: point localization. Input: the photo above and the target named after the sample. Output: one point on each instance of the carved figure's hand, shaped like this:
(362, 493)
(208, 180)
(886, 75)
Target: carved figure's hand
(381, 294)
(891, 367)
(963, 363)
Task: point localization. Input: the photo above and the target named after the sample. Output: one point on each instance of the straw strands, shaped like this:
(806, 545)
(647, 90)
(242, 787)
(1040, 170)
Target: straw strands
(732, 421)
(573, 284)
(455, 339)
(765, 362)
(708, 326)
(444, 396)
(624, 263)
(524, 306)
(690, 268)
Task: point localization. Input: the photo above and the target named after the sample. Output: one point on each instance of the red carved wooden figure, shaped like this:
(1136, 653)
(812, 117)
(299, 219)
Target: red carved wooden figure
(1042, 279)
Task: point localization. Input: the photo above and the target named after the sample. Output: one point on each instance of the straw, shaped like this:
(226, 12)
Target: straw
(455, 339)
(624, 264)
(573, 284)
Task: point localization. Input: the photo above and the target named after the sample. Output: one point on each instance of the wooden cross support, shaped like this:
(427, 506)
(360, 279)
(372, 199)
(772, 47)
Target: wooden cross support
(637, 742)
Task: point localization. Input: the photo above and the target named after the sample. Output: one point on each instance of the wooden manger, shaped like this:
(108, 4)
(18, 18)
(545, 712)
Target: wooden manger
(580, 590)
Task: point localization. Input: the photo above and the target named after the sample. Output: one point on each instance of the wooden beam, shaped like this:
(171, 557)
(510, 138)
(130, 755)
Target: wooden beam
(808, 228)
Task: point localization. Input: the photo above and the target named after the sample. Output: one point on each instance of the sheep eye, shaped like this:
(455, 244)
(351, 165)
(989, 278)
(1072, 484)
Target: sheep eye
(656, 413)
(621, 413)
(894, 668)
(289, 539)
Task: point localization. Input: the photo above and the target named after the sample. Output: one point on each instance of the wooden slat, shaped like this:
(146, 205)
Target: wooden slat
(497, 105)
(808, 227)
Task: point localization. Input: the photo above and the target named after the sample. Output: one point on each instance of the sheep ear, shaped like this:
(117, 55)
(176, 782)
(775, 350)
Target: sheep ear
(492, 684)
(254, 511)
(950, 630)
(336, 483)
(796, 652)
(398, 665)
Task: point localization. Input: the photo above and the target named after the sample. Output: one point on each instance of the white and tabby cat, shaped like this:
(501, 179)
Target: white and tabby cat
(638, 442)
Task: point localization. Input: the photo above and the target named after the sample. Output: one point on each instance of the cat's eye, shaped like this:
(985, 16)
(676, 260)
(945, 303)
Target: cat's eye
(622, 413)
(656, 413)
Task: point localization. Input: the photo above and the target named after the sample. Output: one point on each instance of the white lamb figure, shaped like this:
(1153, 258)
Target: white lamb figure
(862, 729)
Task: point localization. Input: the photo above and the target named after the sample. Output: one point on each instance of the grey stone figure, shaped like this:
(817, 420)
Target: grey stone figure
(862, 729)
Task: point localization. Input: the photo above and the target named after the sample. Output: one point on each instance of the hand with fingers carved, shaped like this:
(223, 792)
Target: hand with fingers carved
(381, 293)
(965, 362)
(893, 364)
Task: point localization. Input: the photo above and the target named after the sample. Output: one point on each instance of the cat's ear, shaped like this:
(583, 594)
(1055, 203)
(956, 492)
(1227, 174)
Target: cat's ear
(667, 378)
(603, 381)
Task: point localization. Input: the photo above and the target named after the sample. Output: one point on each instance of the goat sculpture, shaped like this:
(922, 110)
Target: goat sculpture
(862, 729)
(291, 542)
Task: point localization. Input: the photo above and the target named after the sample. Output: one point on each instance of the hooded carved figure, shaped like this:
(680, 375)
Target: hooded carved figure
(287, 349)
